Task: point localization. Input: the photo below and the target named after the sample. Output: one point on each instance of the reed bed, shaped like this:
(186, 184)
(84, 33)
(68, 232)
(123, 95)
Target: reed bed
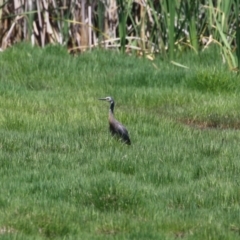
(142, 27)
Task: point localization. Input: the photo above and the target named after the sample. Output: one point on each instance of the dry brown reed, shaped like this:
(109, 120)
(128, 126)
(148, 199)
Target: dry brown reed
(146, 27)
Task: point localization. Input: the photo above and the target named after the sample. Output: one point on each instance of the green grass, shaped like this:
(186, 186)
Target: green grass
(62, 176)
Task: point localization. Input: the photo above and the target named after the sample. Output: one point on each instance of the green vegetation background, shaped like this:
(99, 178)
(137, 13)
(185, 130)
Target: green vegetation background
(62, 176)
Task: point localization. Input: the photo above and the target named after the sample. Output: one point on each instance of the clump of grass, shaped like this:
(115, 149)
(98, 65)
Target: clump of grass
(213, 80)
(110, 194)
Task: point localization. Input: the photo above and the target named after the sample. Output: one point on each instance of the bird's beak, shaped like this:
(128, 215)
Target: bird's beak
(102, 99)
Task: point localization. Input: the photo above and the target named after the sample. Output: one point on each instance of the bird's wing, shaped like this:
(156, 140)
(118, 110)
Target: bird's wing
(117, 128)
(120, 128)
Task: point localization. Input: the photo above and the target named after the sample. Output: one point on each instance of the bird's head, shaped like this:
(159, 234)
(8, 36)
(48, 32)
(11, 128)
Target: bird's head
(108, 99)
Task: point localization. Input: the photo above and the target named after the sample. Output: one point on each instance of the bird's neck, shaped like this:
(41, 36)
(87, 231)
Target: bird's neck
(111, 109)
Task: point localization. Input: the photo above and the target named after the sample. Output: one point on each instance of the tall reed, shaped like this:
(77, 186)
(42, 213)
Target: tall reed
(148, 27)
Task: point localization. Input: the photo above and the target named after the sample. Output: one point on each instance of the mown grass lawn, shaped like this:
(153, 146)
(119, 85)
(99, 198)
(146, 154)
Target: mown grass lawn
(62, 175)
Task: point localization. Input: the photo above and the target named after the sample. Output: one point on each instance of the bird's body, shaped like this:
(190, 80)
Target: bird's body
(115, 127)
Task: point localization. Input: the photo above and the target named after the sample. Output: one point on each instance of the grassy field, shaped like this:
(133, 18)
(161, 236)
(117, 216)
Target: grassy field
(62, 175)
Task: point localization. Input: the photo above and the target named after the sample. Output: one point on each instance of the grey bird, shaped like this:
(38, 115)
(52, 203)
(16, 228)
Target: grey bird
(115, 127)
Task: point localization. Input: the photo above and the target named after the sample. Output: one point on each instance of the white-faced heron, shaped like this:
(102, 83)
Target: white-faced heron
(115, 127)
